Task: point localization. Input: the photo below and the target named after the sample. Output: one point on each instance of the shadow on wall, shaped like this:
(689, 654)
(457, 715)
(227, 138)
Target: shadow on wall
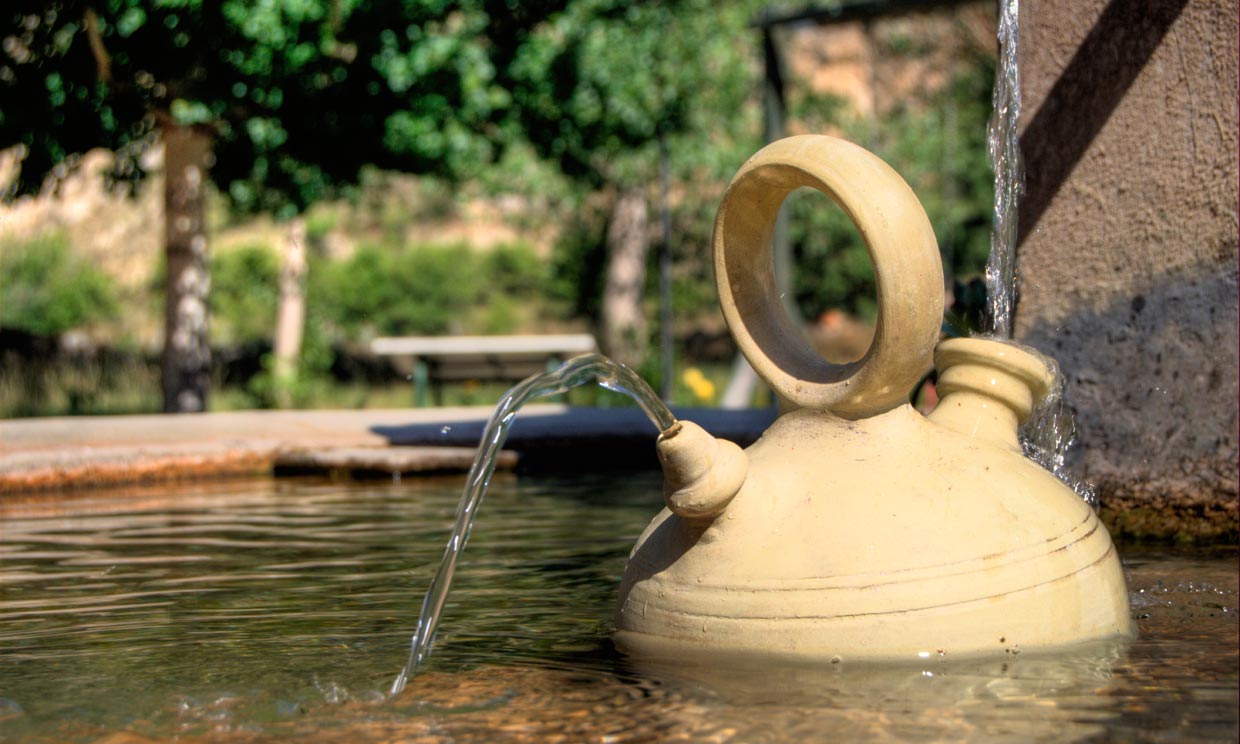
(1121, 42)
(1135, 362)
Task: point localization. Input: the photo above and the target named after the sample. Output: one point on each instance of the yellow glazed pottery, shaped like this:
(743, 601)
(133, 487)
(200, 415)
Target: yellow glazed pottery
(856, 528)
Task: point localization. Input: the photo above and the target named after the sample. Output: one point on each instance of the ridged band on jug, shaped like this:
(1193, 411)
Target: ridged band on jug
(908, 274)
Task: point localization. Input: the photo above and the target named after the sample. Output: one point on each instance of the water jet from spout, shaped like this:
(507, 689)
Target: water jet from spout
(575, 372)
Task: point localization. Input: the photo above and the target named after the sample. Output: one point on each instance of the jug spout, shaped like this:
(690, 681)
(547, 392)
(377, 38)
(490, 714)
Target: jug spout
(988, 388)
(701, 473)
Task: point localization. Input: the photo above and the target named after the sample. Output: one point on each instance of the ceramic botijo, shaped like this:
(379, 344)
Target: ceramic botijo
(855, 527)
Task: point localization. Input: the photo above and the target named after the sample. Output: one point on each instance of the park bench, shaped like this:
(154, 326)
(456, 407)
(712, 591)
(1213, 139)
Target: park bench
(440, 359)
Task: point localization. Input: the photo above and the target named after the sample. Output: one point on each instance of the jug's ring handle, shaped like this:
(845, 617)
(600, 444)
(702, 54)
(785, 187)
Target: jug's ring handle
(907, 271)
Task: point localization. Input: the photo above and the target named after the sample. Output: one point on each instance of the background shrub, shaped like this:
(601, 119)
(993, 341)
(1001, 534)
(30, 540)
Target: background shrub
(245, 290)
(515, 269)
(387, 291)
(47, 289)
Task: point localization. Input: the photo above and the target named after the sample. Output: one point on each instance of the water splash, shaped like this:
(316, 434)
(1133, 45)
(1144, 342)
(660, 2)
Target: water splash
(575, 372)
(1003, 147)
(1050, 431)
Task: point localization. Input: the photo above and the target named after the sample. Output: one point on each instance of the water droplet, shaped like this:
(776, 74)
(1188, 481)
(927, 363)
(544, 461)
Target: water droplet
(445, 430)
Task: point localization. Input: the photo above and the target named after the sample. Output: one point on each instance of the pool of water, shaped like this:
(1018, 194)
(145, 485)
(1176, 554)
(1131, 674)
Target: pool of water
(272, 610)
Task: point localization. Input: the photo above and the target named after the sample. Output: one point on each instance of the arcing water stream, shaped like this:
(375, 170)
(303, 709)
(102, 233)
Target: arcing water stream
(575, 372)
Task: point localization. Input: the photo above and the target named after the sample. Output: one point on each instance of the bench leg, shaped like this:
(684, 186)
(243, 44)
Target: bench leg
(421, 376)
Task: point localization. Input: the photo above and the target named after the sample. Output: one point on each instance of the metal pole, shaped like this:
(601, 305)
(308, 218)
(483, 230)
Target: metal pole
(773, 112)
(665, 274)
(744, 381)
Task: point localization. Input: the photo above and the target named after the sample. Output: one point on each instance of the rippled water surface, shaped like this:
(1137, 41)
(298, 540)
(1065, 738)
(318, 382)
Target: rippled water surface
(277, 610)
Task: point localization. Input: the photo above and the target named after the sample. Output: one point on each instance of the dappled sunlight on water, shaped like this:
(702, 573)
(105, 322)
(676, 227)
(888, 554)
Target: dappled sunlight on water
(275, 609)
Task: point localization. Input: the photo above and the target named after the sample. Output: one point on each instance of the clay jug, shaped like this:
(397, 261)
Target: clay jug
(855, 527)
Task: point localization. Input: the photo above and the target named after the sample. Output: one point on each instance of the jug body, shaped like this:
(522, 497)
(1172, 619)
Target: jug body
(886, 538)
(858, 528)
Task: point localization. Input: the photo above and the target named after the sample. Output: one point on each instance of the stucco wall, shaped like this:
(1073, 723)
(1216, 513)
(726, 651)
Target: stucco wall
(1128, 265)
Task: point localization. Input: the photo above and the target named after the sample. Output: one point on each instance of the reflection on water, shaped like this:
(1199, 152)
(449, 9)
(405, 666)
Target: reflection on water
(279, 609)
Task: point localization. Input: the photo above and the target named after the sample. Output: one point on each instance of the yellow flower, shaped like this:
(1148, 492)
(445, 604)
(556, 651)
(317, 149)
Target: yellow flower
(702, 388)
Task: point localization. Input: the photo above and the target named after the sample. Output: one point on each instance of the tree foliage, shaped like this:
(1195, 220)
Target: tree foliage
(302, 95)
(600, 89)
(298, 94)
(595, 86)
(938, 144)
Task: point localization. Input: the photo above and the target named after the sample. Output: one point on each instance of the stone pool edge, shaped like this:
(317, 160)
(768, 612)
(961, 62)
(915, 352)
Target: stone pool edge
(96, 451)
(64, 453)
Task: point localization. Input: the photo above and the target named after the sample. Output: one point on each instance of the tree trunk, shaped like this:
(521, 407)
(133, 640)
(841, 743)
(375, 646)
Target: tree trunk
(291, 313)
(187, 353)
(624, 326)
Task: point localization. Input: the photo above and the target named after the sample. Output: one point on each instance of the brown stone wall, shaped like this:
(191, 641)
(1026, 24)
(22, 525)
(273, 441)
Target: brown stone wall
(1128, 259)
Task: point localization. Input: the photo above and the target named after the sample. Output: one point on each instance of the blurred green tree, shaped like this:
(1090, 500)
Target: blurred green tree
(937, 141)
(598, 85)
(275, 100)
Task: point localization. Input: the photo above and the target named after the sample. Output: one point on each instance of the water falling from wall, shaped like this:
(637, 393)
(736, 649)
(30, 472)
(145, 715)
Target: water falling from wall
(1051, 429)
(575, 372)
(1004, 151)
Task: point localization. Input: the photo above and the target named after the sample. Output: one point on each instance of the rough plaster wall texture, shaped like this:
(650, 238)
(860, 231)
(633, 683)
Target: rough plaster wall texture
(1128, 260)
